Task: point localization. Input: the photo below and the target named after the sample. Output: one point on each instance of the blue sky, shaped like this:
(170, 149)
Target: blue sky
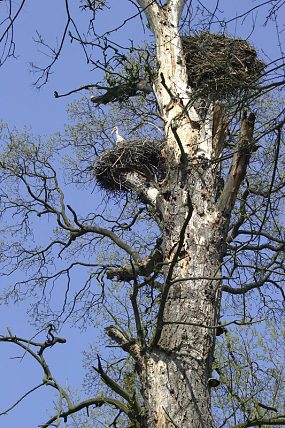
(21, 104)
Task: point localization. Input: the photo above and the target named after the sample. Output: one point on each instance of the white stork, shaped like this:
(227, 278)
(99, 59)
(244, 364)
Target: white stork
(119, 138)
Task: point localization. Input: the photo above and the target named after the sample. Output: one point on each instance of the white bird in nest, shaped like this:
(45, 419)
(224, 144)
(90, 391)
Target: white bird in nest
(119, 138)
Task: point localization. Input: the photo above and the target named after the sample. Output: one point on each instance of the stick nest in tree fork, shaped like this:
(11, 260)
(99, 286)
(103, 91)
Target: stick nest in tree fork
(137, 156)
(220, 67)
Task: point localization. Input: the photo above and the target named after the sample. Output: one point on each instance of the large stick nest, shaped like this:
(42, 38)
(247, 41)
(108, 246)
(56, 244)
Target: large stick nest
(220, 66)
(140, 156)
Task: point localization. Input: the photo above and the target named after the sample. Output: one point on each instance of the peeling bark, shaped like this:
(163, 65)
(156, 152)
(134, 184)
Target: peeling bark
(176, 368)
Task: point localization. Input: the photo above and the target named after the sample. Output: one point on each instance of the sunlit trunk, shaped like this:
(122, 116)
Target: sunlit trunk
(177, 371)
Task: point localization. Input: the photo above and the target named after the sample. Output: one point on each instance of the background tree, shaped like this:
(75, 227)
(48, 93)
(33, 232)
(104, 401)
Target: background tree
(187, 218)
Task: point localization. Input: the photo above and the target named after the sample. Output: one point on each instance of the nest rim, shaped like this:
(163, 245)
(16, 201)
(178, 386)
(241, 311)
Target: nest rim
(220, 65)
(142, 156)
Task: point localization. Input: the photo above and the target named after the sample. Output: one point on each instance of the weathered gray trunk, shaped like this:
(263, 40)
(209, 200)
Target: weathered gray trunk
(176, 372)
(194, 208)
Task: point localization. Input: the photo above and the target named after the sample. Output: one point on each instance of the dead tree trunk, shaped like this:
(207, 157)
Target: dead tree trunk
(195, 208)
(178, 367)
(193, 205)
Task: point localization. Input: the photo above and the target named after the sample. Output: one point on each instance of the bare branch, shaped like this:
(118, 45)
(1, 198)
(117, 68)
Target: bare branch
(137, 315)
(277, 420)
(22, 398)
(110, 382)
(129, 345)
(150, 264)
(122, 92)
(73, 91)
(96, 401)
(239, 165)
(168, 280)
(7, 37)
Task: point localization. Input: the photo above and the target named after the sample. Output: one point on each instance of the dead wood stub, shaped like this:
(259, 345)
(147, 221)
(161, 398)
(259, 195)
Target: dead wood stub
(140, 156)
(219, 66)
